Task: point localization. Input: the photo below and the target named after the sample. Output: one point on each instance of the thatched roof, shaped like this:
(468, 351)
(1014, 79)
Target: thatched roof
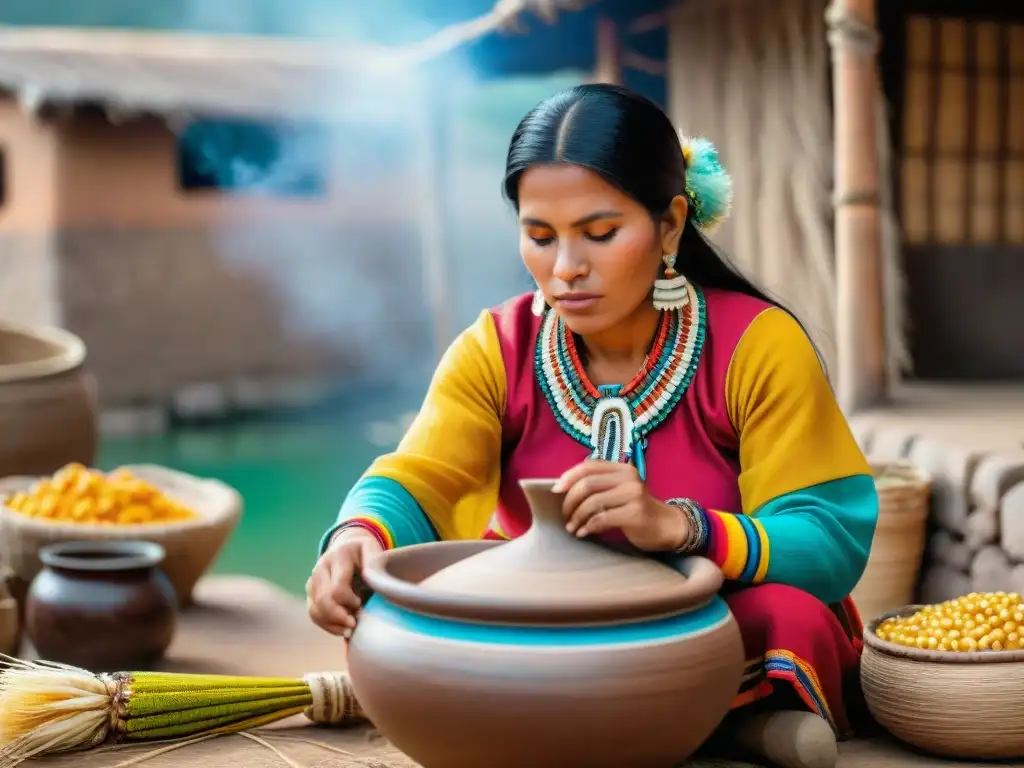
(175, 72)
(178, 72)
(164, 72)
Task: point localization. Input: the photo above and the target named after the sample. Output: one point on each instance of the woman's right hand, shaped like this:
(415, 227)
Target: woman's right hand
(330, 592)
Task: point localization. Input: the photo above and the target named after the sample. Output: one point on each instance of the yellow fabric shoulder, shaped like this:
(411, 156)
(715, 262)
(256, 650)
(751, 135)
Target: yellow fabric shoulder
(792, 433)
(450, 459)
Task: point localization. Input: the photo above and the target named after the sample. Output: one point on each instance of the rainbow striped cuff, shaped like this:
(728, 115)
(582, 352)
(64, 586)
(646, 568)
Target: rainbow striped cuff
(376, 527)
(387, 510)
(379, 530)
(738, 545)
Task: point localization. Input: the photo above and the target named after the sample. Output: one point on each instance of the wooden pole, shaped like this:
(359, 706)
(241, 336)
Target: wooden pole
(608, 67)
(434, 212)
(860, 327)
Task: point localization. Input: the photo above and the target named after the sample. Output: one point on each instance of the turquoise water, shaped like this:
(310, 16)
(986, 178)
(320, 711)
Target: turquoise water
(292, 476)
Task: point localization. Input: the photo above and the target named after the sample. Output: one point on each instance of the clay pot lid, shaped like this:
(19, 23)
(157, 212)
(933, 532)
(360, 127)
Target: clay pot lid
(546, 576)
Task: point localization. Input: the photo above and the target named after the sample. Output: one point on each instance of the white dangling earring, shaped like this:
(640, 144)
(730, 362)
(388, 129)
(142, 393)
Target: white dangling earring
(670, 293)
(539, 305)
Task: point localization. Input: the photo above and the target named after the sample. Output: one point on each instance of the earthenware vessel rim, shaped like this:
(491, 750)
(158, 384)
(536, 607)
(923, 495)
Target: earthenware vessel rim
(943, 657)
(694, 582)
(96, 556)
(69, 352)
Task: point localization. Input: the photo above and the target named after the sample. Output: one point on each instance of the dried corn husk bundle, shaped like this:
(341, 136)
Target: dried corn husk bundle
(49, 708)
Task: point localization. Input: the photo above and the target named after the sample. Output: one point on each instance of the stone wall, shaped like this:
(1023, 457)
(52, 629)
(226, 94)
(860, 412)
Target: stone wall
(163, 310)
(976, 523)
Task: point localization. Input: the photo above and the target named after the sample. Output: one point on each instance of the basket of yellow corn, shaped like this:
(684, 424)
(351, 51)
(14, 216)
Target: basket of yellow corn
(190, 517)
(949, 678)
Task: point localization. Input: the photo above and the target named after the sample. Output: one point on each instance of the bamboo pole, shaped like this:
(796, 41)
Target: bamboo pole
(860, 327)
(608, 66)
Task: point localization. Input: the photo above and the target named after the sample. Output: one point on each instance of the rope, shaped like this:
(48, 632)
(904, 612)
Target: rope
(288, 761)
(857, 198)
(117, 723)
(373, 763)
(847, 30)
(164, 750)
(334, 702)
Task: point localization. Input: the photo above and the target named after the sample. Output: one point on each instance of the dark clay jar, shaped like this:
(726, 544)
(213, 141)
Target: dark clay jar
(104, 606)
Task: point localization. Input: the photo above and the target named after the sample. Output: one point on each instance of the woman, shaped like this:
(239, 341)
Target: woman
(682, 408)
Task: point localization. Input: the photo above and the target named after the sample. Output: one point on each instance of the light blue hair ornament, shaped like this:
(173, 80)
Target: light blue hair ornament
(708, 184)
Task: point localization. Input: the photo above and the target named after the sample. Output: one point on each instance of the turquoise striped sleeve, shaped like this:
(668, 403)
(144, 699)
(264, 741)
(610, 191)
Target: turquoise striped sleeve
(816, 539)
(819, 537)
(385, 508)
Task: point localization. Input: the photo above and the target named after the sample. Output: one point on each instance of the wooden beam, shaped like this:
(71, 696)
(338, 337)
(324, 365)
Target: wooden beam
(608, 67)
(860, 327)
(649, 23)
(641, 63)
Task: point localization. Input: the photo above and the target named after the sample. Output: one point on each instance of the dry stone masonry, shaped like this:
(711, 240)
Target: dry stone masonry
(976, 522)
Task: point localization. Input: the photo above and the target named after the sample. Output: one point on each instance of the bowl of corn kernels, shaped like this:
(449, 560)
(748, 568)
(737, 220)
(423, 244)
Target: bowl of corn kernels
(949, 678)
(190, 517)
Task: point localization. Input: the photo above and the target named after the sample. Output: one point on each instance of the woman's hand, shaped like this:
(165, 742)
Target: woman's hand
(330, 593)
(602, 495)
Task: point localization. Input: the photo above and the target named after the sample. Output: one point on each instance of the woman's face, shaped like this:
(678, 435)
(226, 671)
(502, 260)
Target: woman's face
(593, 251)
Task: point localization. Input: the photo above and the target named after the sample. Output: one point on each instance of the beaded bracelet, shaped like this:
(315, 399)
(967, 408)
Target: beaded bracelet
(696, 517)
(363, 526)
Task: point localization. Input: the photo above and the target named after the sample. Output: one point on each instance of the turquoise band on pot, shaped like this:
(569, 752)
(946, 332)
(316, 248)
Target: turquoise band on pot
(654, 630)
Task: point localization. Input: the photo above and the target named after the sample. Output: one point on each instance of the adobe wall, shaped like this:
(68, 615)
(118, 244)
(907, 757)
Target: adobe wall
(172, 289)
(198, 312)
(28, 289)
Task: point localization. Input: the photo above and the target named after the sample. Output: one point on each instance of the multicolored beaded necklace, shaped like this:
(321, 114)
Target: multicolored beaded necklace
(615, 420)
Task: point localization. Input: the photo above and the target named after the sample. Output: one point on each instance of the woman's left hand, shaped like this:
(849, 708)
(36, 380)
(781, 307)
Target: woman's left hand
(603, 495)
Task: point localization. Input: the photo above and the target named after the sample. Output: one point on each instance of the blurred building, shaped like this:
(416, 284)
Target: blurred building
(208, 209)
(877, 151)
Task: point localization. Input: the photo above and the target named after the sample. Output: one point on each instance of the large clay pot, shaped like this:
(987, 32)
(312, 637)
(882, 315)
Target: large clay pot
(547, 651)
(101, 605)
(47, 401)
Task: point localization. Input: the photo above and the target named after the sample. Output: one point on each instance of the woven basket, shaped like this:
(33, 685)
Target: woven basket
(191, 545)
(890, 579)
(959, 705)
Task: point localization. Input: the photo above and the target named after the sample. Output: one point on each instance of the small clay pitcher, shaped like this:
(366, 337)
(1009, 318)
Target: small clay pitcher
(102, 605)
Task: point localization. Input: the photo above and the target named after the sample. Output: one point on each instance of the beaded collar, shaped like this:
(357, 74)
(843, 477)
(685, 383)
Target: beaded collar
(615, 420)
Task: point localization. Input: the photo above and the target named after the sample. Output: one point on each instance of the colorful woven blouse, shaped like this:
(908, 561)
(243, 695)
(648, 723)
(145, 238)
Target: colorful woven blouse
(735, 412)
